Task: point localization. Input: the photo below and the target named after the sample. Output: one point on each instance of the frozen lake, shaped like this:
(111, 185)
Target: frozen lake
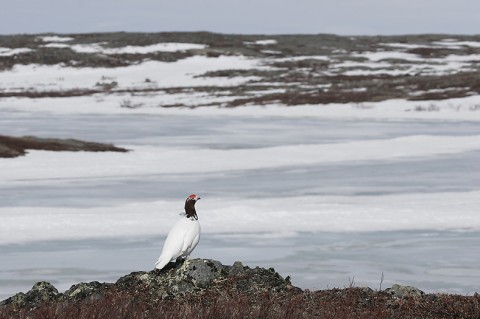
(331, 200)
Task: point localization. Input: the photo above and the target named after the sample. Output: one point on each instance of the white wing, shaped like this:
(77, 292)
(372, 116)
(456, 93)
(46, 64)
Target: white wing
(192, 238)
(181, 240)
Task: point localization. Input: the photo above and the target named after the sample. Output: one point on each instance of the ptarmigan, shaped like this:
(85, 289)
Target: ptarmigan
(183, 237)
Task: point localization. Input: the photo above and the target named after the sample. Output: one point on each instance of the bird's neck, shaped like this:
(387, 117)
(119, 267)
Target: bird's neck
(190, 209)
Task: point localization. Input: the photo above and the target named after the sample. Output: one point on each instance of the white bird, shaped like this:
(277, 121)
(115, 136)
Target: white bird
(183, 237)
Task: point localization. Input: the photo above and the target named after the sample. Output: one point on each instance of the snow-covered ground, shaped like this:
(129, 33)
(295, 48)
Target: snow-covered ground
(183, 73)
(62, 42)
(322, 192)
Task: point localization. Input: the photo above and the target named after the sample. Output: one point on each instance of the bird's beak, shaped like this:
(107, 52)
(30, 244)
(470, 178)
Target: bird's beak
(198, 198)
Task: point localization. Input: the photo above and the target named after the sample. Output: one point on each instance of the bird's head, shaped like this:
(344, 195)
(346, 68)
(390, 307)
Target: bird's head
(193, 197)
(190, 206)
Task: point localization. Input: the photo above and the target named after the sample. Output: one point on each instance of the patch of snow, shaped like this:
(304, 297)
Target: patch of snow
(56, 45)
(404, 45)
(434, 45)
(159, 47)
(459, 44)
(55, 38)
(266, 42)
(185, 72)
(417, 93)
(356, 64)
(265, 92)
(393, 72)
(385, 55)
(463, 58)
(448, 40)
(12, 52)
(358, 90)
(303, 57)
(261, 42)
(88, 48)
(271, 52)
(447, 66)
(457, 109)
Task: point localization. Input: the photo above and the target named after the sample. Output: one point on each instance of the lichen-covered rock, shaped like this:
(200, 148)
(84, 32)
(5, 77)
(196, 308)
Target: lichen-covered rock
(182, 277)
(93, 290)
(237, 269)
(16, 301)
(40, 293)
(404, 291)
(201, 272)
(44, 291)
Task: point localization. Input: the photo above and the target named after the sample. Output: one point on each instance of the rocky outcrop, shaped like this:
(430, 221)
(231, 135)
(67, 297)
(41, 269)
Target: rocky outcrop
(204, 288)
(17, 146)
(42, 292)
(175, 281)
(404, 291)
(179, 279)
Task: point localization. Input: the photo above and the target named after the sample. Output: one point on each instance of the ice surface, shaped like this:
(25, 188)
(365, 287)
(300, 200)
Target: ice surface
(343, 176)
(289, 214)
(329, 198)
(145, 160)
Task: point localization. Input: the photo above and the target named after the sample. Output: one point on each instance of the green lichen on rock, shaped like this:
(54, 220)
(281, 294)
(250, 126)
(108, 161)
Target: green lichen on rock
(180, 278)
(401, 291)
(42, 292)
(174, 281)
(83, 290)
